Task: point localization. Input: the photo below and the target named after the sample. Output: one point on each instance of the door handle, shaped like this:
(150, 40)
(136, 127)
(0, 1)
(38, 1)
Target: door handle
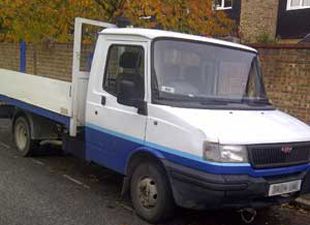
(103, 100)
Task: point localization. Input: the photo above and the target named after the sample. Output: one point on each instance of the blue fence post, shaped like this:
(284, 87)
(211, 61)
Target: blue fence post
(22, 56)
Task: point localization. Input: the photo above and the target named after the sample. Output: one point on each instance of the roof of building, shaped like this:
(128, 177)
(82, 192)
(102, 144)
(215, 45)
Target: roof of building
(152, 34)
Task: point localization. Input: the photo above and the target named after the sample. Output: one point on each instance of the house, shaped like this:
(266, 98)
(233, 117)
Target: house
(267, 20)
(293, 19)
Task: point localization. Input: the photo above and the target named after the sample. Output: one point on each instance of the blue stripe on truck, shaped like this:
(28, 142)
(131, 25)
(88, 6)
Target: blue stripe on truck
(112, 150)
(36, 110)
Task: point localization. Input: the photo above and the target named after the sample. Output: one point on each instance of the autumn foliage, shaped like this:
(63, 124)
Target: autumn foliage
(190, 16)
(37, 20)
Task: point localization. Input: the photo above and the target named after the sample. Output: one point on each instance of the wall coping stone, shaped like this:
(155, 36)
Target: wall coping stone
(281, 46)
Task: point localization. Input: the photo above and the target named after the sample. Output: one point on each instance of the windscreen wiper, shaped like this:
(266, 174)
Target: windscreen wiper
(255, 102)
(199, 100)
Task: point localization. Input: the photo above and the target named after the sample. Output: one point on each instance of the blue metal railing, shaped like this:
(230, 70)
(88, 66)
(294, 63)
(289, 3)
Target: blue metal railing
(22, 56)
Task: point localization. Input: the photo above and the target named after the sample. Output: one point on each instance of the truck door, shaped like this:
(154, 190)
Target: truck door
(114, 129)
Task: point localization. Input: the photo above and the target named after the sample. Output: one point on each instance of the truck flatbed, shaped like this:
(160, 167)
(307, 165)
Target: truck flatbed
(47, 97)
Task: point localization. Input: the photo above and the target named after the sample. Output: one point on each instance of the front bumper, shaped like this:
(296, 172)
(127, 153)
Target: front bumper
(200, 190)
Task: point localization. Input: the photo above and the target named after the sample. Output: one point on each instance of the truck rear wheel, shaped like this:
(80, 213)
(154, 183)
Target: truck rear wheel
(151, 194)
(22, 136)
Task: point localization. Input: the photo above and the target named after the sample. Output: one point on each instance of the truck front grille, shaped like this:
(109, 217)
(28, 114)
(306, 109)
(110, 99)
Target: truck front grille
(278, 155)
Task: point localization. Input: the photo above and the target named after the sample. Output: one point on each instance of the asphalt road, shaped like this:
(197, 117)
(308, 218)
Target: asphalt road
(53, 189)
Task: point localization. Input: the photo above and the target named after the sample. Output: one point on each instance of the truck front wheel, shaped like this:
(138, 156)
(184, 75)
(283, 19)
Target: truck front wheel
(151, 194)
(22, 136)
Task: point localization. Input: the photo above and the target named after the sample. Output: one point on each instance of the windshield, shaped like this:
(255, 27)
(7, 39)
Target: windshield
(196, 72)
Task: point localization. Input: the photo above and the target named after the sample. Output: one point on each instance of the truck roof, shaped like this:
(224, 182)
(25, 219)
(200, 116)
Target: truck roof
(153, 33)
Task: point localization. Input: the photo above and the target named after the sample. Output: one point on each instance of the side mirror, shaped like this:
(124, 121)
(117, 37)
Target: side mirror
(127, 93)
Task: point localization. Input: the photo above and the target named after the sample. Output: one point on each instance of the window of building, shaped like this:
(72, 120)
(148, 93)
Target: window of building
(124, 62)
(297, 4)
(223, 4)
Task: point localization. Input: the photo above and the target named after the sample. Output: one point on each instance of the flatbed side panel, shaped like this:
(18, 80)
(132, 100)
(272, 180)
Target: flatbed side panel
(36, 110)
(44, 93)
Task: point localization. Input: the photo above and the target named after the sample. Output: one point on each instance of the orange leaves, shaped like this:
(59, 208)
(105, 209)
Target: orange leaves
(191, 16)
(37, 20)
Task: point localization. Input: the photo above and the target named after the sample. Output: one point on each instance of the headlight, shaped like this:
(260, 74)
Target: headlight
(225, 153)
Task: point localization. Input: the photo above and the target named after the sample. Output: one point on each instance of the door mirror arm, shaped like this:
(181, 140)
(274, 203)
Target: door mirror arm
(142, 108)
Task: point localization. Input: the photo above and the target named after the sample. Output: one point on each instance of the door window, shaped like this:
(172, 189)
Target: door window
(124, 63)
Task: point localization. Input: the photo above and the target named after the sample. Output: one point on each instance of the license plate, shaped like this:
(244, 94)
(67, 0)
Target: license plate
(284, 188)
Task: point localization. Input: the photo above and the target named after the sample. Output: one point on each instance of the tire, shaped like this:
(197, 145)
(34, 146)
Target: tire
(22, 137)
(151, 194)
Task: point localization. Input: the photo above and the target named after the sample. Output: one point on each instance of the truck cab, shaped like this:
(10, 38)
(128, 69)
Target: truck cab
(187, 121)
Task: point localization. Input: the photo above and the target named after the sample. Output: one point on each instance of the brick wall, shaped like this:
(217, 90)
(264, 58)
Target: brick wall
(9, 56)
(53, 62)
(286, 71)
(49, 61)
(258, 19)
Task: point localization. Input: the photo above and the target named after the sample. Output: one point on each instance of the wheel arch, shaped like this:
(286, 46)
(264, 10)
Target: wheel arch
(40, 128)
(135, 158)
(143, 154)
(17, 113)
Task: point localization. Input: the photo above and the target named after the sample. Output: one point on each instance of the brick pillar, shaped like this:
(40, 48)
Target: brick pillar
(258, 20)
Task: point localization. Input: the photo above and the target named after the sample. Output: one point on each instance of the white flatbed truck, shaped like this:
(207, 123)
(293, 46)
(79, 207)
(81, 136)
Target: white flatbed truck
(184, 118)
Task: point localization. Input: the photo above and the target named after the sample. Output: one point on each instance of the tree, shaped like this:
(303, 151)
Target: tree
(190, 16)
(111, 8)
(37, 20)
